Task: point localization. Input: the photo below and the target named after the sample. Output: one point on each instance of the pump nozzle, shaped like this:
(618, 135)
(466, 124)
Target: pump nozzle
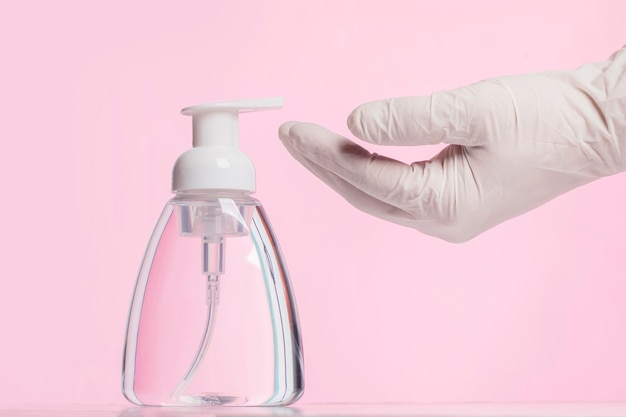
(216, 162)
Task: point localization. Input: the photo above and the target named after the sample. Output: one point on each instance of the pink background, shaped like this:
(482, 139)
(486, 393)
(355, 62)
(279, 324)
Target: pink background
(90, 92)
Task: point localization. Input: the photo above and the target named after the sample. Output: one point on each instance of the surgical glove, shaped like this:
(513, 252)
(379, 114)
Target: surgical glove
(515, 143)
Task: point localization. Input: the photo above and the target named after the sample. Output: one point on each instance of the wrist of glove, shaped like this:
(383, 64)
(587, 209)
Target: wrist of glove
(514, 143)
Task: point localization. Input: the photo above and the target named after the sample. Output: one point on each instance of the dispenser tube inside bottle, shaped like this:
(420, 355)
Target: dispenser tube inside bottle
(212, 255)
(212, 266)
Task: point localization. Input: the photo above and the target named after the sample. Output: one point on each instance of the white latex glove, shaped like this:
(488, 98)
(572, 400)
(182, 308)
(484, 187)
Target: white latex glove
(515, 143)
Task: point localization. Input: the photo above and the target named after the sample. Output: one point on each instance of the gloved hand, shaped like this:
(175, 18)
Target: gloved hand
(515, 143)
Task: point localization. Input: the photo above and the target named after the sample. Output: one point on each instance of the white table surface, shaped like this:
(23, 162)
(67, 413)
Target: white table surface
(322, 410)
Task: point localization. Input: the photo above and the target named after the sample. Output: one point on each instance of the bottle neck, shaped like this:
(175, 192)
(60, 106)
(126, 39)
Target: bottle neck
(207, 194)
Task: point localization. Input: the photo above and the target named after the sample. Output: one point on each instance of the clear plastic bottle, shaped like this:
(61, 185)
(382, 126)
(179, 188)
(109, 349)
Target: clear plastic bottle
(213, 319)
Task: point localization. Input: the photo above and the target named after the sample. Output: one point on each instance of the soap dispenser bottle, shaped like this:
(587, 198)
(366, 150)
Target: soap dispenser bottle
(213, 319)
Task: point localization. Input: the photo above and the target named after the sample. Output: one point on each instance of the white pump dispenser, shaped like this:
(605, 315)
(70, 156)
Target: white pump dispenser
(215, 162)
(213, 245)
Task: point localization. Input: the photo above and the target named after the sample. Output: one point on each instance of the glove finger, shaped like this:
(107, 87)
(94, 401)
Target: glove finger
(468, 116)
(412, 187)
(353, 195)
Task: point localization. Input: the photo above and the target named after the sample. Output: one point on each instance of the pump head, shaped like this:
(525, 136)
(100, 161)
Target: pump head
(215, 162)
